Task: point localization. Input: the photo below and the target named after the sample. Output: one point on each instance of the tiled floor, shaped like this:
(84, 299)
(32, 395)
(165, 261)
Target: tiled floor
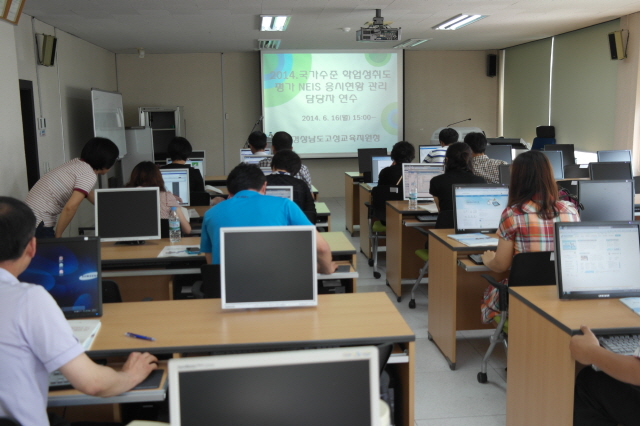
(443, 397)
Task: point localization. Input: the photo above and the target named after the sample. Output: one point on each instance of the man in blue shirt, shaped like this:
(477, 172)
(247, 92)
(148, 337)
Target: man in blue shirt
(248, 206)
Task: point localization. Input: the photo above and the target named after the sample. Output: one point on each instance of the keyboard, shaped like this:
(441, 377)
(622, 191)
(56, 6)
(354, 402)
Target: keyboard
(623, 344)
(58, 382)
(427, 217)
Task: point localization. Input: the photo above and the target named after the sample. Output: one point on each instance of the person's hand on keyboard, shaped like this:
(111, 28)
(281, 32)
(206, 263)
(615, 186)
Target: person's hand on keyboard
(583, 346)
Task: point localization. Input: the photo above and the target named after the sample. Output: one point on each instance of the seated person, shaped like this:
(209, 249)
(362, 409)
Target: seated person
(285, 165)
(610, 396)
(280, 142)
(402, 152)
(447, 136)
(482, 165)
(147, 175)
(35, 337)
(458, 168)
(179, 151)
(257, 143)
(248, 206)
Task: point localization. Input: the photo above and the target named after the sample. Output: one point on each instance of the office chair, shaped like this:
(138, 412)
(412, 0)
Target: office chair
(377, 210)
(527, 269)
(574, 171)
(544, 135)
(209, 287)
(110, 292)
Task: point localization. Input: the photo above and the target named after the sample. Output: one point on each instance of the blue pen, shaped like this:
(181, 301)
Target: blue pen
(139, 336)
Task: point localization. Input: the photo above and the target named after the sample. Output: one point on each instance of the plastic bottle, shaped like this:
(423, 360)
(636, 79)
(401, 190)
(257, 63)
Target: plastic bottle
(413, 196)
(174, 226)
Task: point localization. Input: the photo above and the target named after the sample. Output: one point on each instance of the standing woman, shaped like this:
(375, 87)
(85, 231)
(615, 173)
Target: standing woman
(146, 174)
(527, 225)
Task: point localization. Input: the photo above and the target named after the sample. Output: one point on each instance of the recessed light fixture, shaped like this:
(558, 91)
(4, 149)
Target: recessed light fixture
(268, 44)
(458, 21)
(274, 22)
(412, 42)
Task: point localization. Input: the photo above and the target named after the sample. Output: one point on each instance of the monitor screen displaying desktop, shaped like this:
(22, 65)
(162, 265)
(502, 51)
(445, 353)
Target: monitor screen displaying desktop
(420, 174)
(268, 283)
(478, 207)
(196, 163)
(606, 200)
(319, 387)
(69, 269)
(614, 155)
(246, 151)
(254, 159)
(555, 158)
(597, 259)
(127, 214)
(499, 152)
(610, 171)
(176, 181)
(377, 164)
(424, 150)
(281, 191)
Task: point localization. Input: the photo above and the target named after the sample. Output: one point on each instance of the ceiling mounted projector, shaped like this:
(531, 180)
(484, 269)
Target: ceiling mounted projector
(378, 31)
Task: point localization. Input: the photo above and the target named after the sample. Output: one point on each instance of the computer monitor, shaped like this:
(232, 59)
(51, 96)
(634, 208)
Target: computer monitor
(69, 269)
(478, 207)
(266, 170)
(424, 150)
(614, 155)
(283, 270)
(597, 260)
(420, 174)
(254, 159)
(176, 181)
(377, 164)
(364, 158)
(127, 214)
(504, 174)
(499, 152)
(280, 191)
(555, 158)
(196, 163)
(246, 151)
(610, 171)
(606, 200)
(568, 152)
(337, 386)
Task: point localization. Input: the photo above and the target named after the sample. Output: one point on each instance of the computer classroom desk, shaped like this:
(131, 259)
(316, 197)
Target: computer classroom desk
(455, 291)
(219, 181)
(352, 201)
(197, 326)
(140, 273)
(364, 196)
(540, 367)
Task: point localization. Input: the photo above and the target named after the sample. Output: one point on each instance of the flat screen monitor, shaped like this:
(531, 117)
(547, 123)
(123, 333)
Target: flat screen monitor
(420, 174)
(338, 387)
(196, 163)
(127, 214)
(568, 152)
(478, 207)
(377, 164)
(176, 181)
(254, 159)
(606, 200)
(246, 151)
(282, 191)
(424, 150)
(504, 174)
(266, 170)
(365, 155)
(610, 171)
(597, 260)
(500, 152)
(555, 158)
(268, 283)
(614, 155)
(69, 269)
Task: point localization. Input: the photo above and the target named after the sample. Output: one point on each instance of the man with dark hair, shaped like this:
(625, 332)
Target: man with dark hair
(257, 143)
(282, 141)
(56, 196)
(402, 152)
(285, 165)
(447, 136)
(35, 338)
(248, 206)
(483, 166)
(179, 151)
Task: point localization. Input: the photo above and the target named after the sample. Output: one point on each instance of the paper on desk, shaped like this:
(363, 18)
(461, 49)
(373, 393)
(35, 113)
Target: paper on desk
(633, 303)
(474, 240)
(431, 208)
(175, 251)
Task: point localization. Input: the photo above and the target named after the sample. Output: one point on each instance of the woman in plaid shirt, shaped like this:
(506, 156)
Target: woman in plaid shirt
(527, 224)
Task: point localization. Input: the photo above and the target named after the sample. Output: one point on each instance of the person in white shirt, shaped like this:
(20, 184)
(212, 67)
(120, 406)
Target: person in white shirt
(447, 136)
(257, 143)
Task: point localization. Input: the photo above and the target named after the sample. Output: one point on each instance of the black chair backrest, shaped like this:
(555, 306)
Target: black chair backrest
(199, 198)
(384, 352)
(110, 292)
(535, 268)
(574, 171)
(379, 197)
(445, 220)
(210, 281)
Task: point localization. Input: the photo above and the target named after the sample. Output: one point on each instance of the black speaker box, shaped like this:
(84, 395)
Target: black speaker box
(48, 50)
(615, 45)
(492, 65)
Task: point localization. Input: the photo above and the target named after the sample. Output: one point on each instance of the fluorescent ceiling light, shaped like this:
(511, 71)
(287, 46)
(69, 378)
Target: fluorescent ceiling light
(412, 42)
(274, 22)
(458, 21)
(268, 44)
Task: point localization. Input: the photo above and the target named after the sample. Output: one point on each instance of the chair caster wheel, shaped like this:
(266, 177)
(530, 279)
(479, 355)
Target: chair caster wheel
(399, 299)
(370, 262)
(376, 275)
(412, 304)
(482, 377)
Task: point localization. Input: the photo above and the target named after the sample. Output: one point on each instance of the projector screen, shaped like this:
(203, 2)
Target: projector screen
(333, 103)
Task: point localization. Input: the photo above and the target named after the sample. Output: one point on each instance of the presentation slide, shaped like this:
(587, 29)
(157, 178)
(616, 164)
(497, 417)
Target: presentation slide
(333, 103)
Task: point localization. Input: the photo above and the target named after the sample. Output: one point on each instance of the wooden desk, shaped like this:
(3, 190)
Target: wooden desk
(215, 180)
(324, 216)
(364, 196)
(454, 294)
(193, 326)
(541, 370)
(351, 200)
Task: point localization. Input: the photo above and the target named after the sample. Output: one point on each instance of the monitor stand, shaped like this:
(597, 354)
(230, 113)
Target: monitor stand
(131, 243)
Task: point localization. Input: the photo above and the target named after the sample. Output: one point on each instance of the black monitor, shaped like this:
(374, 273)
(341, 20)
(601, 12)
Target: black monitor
(499, 152)
(568, 152)
(606, 200)
(504, 174)
(364, 160)
(610, 171)
(69, 269)
(614, 155)
(128, 214)
(555, 158)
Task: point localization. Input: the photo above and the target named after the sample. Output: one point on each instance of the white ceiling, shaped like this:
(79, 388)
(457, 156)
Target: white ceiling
(190, 26)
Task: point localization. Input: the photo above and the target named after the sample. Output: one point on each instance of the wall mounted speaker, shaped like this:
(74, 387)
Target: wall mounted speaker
(492, 65)
(615, 45)
(48, 50)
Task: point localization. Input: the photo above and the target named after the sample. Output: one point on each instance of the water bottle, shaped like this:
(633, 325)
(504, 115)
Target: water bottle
(270, 137)
(174, 226)
(413, 196)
